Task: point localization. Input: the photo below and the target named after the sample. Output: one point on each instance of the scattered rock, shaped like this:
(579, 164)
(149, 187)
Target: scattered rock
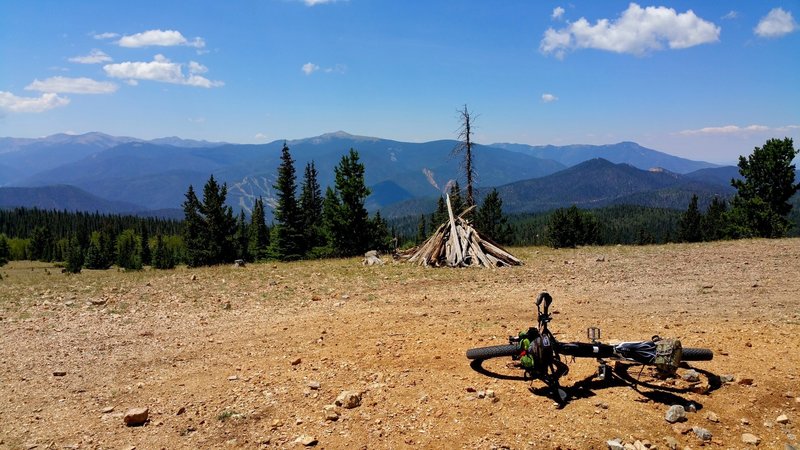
(59, 373)
(671, 442)
(136, 416)
(639, 445)
(98, 301)
(107, 410)
(727, 378)
(348, 399)
(330, 412)
(193, 277)
(615, 444)
(297, 361)
(681, 428)
(675, 413)
(744, 421)
(490, 393)
(181, 410)
(470, 389)
(691, 376)
(314, 385)
(746, 381)
(600, 258)
(701, 388)
(239, 263)
(308, 441)
(233, 378)
(751, 439)
(783, 419)
(481, 394)
(712, 417)
(702, 433)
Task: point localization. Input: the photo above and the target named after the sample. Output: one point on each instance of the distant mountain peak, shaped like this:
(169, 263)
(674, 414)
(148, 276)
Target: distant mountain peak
(327, 137)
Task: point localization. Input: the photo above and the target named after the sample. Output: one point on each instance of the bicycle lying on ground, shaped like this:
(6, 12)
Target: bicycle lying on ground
(539, 353)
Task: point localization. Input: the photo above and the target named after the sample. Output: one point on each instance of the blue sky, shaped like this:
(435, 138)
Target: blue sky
(704, 80)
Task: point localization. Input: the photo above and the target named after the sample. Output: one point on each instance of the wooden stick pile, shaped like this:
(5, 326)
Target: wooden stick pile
(457, 244)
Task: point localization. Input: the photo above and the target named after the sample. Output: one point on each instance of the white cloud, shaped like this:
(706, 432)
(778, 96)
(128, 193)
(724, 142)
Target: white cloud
(318, 2)
(338, 69)
(65, 85)
(94, 57)
(309, 68)
(163, 70)
(775, 24)
(549, 98)
(101, 36)
(731, 15)
(558, 13)
(260, 136)
(47, 101)
(159, 38)
(735, 129)
(637, 31)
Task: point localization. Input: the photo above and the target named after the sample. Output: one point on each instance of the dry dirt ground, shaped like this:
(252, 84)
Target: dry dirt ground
(225, 357)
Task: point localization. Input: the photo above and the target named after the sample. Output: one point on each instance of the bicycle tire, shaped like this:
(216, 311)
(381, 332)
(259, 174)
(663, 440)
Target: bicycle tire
(494, 351)
(697, 354)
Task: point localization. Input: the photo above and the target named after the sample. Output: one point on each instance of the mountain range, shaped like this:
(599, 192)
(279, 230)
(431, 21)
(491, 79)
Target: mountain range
(124, 174)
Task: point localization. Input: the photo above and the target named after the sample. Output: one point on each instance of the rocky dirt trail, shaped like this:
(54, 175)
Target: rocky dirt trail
(256, 357)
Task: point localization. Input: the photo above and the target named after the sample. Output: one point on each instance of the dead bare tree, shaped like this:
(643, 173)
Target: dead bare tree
(465, 146)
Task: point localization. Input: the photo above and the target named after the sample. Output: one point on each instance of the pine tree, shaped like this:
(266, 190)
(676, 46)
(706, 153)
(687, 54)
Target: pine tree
(219, 222)
(128, 251)
(715, 220)
(5, 250)
(94, 254)
(421, 230)
(74, 256)
(311, 210)
(347, 218)
(287, 245)
(760, 207)
(490, 220)
(689, 228)
(162, 257)
(380, 237)
(41, 245)
(259, 233)
(194, 232)
(145, 253)
(242, 238)
(440, 216)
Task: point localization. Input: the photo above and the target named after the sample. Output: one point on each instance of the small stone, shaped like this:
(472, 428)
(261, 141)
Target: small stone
(59, 373)
(751, 439)
(744, 421)
(490, 393)
(98, 301)
(727, 378)
(314, 385)
(107, 410)
(615, 445)
(712, 417)
(701, 388)
(308, 441)
(702, 433)
(675, 413)
(233, 378)
(315, 298)
(193, 277)
(330, 412)
(681, 428)
(671, 442)
(181, 410)
(297, 361)
(470, 389)
(783, 419)
(136, 416)
(481, 394)
(639, 445)
(691, 376)
(746, 381)
(348, 399)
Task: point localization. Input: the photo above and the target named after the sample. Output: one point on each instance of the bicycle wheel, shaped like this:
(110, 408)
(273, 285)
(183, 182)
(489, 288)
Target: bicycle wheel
(697, 354)
(493, 351)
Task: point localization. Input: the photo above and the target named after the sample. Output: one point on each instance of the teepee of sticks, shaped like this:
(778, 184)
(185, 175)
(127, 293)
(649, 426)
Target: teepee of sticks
(457, 244)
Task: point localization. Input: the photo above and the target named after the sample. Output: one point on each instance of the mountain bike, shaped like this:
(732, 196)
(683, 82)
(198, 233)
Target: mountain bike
(539, 353)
